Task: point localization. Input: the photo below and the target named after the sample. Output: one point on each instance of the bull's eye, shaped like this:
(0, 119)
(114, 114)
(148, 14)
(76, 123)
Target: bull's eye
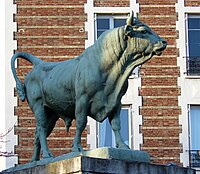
(144, 31)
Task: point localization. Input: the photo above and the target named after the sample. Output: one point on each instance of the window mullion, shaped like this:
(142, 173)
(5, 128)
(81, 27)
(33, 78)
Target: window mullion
(95, 25)
(189, 122)
(187, 33)
(111, 19)
(130, 117)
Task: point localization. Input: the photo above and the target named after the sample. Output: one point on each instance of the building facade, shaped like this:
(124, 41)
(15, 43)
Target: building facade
(160, 109)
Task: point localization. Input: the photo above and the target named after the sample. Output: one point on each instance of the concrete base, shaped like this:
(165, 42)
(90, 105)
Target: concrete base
(107, 161)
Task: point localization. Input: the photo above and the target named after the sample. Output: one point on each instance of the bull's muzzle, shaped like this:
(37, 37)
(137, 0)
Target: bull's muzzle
(160, 46)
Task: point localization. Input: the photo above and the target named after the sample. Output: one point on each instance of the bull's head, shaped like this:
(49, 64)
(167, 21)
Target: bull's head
(142, 41)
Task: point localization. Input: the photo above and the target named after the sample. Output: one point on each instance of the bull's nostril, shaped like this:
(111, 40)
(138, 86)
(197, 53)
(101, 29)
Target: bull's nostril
(164, 42)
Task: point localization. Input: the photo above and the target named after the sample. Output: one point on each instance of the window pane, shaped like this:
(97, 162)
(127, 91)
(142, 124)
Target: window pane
(193, 61)
(119, 22)
(124, 125)
(103, 24)
(194, 43)
(195, 128)
(107, 23)
(194, 23)
(106, 135)
(99, 32)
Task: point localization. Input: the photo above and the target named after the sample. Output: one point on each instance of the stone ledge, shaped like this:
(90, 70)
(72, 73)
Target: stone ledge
(119, 154)
(83, 164)
(103, 160)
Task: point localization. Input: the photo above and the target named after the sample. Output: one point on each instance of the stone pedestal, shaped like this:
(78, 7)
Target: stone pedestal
(108, 163)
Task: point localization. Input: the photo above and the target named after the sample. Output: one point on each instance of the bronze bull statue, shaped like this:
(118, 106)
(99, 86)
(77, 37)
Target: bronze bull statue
(91, 84)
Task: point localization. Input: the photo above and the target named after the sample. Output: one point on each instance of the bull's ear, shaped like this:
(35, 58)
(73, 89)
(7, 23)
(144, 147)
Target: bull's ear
(128, 30)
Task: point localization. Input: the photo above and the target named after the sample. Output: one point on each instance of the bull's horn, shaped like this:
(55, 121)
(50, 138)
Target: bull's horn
(130, 19)
(135, 21)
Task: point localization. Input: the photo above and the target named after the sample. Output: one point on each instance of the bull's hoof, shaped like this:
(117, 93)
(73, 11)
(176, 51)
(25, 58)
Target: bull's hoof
(34, 159)
(123, 146)
(77, 148)
(47, 155)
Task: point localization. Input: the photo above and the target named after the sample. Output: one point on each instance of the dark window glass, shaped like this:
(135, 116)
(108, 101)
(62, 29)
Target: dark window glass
(193, 60)
(195, 128)
(194, 23)
(194, 43)
(107, 23)
(106, 135)
(119, 22)
(103, 24)
(194, 136)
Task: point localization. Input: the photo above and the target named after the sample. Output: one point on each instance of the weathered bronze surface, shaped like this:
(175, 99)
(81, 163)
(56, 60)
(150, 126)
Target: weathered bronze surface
(91, 84)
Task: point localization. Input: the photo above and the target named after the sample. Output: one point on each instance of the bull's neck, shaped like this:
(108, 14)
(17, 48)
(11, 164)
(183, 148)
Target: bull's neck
(120, 65)
(114, 62)
(112, 48)
(118, 75)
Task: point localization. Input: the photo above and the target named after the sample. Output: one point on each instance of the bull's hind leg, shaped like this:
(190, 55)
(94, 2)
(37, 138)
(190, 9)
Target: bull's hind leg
(34, 98)
(51, 121)
(41, 130)
(52, 118)
(68, 123)
(116, 127)
(37, 147)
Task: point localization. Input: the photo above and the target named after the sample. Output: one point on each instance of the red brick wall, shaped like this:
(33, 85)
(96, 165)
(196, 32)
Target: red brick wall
(192, 3)
(111, 3)
(53, 31)
(159, 90)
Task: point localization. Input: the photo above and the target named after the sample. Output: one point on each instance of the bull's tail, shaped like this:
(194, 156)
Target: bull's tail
(34, 60)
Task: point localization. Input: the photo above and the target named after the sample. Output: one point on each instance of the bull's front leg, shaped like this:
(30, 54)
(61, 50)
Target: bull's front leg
(81, 121)
(114, 120)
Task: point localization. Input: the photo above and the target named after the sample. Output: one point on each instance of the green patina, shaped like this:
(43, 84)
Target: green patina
(91, 84)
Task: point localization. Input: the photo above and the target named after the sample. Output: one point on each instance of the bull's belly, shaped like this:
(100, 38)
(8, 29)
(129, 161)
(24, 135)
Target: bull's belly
(62, 108)
(99, 116)
(100, 108)
(58, 86)
(60, 100)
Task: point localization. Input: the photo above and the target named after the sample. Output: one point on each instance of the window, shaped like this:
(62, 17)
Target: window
(106, 135)
(193, 59)
(104, 23)
(194, 136)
